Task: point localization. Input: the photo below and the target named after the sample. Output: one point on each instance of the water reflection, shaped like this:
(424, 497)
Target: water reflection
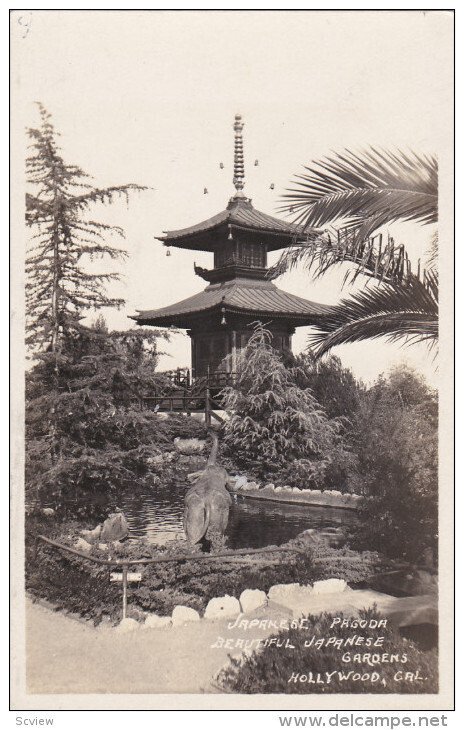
(157, 517)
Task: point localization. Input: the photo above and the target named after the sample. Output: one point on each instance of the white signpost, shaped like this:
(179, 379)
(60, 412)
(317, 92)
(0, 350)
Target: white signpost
(125, 577)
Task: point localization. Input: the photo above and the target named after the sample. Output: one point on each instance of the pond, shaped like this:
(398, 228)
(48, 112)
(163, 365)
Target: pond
(157, 517)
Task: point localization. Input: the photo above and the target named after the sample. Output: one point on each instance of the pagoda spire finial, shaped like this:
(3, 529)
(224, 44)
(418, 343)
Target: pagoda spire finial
(239, 168)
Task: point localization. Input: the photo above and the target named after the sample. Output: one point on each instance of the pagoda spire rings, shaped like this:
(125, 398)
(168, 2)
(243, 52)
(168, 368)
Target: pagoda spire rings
(239, 165)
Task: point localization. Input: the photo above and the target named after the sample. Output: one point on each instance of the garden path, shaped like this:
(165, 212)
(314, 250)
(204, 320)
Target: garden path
(69, 656)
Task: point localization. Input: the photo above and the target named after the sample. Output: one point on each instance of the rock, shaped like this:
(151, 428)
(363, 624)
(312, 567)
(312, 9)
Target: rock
(127, 625)
(162, 416)
(102, 546)
(137, 613)
(83, 545)
(252, 485)
(92, 536)
(252, 599)
(331, 585)
(183, 615)
(311, 536)
(152, 621)
(48, 511)
(240, 482)
(269, 486)
(287, 488)
(189, 446)
(297, 490)
(279, 489)
(222, 607)
(156, 460)
(290, 595)
(114, 528)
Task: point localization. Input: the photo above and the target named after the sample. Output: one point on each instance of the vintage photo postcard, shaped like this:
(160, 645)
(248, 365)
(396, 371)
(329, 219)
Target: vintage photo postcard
(232, 312)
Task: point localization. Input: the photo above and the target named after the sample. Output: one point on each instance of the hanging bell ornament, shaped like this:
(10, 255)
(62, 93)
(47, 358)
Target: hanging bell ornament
(272, 186)
(205, 191)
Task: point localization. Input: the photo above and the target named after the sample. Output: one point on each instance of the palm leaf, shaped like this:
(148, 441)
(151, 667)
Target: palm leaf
(406, 311)
(371, 188)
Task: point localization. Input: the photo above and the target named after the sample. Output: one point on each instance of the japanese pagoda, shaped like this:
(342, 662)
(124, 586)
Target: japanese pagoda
(240, 291)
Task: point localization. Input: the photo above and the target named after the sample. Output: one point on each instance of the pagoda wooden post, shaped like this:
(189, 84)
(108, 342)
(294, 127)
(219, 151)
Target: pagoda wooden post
(207, 404)
(233, 336)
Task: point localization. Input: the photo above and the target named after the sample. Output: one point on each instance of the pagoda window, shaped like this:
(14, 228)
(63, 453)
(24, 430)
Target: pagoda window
(248, 254)
(252, 254)
(224, 256)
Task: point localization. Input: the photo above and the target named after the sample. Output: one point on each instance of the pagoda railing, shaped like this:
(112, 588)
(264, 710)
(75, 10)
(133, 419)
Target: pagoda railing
(182, 394)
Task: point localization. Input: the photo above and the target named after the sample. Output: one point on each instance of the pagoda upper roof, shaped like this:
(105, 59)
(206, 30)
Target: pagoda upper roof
(242, 296)
(239, 214)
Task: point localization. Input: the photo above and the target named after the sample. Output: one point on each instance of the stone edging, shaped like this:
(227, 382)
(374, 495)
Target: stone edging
(230, 607)
(293, 495)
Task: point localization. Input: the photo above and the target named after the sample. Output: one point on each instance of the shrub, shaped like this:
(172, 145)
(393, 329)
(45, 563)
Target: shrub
(269, 670)
(397, 448)
(275, 425)
(88, 433)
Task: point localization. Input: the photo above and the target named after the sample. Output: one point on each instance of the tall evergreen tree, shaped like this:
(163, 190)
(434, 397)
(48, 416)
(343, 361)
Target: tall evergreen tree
(60, 288)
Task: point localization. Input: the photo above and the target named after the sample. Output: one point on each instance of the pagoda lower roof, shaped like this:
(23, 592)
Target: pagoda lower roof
(239, 214)
(242, 296)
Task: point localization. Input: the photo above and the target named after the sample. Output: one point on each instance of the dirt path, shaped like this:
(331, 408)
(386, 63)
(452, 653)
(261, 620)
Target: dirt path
(67, 656)
(64, 655)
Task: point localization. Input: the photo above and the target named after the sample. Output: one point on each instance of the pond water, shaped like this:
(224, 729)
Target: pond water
(157, 517)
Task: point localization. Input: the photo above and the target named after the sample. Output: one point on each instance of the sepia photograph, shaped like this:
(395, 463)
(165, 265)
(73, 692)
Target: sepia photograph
(232, 313)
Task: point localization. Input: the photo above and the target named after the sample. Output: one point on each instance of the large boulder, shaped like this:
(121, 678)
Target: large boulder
(152, 621)
(127, 625)
(83, 545)
(183, 615)
(222, 607)
(240, 482)
(290, 595)
(114, 528)
(92, 536)
(187, 447)
(331, 585)
(252, 599)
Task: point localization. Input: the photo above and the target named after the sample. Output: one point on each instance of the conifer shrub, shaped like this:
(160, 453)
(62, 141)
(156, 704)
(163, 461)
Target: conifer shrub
(277, 427)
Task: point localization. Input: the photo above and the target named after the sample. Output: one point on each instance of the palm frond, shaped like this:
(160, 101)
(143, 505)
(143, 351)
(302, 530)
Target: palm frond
(407, 311)
(371, 188)
(432, 252)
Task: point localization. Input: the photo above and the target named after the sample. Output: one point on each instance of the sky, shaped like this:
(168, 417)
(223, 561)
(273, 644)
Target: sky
(150, 98)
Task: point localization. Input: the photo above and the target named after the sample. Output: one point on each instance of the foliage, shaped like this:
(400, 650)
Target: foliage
(371, 188)
(60, 289)
(274, 424)
(268, 670)
(407, 311)
(334, 387)
(396, 439)
(87, 430)
(82, 587)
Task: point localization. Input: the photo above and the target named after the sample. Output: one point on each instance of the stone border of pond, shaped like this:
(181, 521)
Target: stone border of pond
(293, 495)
